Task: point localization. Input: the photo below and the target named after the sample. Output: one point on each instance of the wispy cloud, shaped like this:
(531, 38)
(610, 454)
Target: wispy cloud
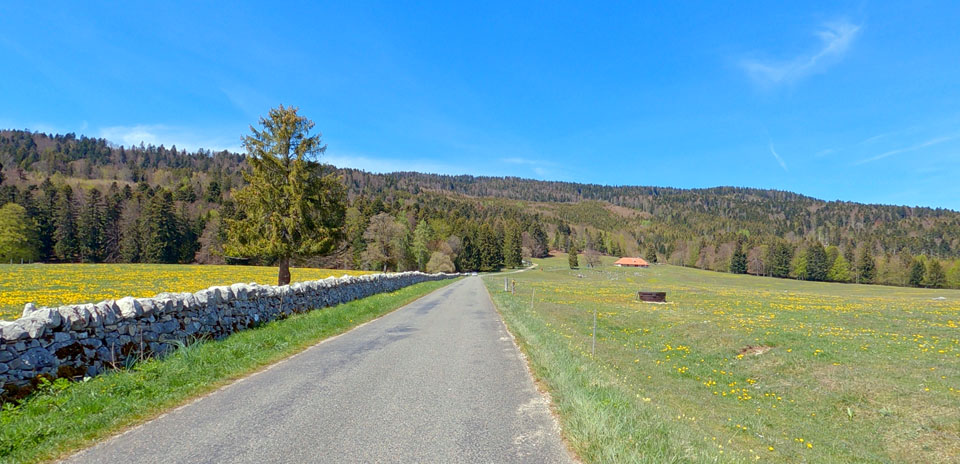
(511, 166)
(539, 167)
(384, 165)
(157, 134)
(873, 139)
(778, 158)
(835, 39)
(925, 144)
(885, 135)
(133, 135)
(248, 101)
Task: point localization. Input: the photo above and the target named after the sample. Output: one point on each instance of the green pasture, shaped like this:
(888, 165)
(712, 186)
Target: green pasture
(737, 368)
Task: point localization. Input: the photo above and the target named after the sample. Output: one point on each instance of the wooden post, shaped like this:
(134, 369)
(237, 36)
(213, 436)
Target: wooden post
(594, 349)
(506, 282)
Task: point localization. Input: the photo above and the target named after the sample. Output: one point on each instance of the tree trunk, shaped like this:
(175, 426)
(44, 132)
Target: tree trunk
(284, 275)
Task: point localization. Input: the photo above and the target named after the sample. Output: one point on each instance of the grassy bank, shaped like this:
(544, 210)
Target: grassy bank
(60, 284)
(67, 416)
(741, 368)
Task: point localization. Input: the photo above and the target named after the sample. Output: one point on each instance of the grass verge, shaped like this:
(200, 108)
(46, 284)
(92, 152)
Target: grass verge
(66, 416)
(598, 418)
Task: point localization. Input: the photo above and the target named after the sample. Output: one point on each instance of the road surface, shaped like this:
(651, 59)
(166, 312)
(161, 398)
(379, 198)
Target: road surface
(438, 380)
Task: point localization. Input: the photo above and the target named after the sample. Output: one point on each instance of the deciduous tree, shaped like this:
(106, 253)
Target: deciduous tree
(840, 271)
(18, 235)
(382, 237)
(439, 262)
(592, 258)
(540, 247)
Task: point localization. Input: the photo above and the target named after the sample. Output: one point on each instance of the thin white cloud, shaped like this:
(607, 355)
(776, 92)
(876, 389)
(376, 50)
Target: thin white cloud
(928, 143)
(539, 168)
(835, 39)
(778, 158)
(132, 135)
(885, 135)
(248, 101)
(385, 165)
(873, 139)
(527, 161)
(506, 167)
(157, 134)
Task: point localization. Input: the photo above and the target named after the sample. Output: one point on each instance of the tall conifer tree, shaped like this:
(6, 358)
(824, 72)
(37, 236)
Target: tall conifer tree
(292, 207)
(817, 265)
(65, 235)
(512, 245)
(91, 227)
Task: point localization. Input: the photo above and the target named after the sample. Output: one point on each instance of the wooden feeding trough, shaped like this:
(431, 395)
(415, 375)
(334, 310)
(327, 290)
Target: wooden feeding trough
(655, 297)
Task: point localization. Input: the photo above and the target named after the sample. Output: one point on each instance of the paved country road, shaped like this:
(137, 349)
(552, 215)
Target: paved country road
(438, 380)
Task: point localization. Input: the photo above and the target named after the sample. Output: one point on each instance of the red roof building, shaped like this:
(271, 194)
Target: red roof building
(632, 262)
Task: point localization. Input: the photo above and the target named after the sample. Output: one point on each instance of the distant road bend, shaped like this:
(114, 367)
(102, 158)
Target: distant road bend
(438, 380)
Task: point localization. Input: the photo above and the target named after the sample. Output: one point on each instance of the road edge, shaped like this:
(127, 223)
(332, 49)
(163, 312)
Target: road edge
(537, 382)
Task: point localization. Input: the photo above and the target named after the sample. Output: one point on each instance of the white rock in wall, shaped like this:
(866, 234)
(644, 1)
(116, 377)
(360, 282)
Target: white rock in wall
(129, 307)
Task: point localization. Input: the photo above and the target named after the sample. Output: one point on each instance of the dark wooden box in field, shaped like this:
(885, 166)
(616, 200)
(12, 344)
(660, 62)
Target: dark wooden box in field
(656, 297)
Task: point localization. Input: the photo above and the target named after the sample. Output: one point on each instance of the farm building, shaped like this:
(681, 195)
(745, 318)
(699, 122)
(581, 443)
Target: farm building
(632, 262)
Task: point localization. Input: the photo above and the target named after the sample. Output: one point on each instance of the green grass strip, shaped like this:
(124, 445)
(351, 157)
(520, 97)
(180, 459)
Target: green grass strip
(599, 420)
(66, 416)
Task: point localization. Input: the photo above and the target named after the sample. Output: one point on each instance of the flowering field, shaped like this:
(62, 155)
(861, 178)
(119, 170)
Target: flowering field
(57, 284)
(740, 368)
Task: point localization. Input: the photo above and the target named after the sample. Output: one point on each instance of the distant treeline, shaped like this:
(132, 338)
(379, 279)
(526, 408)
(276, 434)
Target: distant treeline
(83, 199)
(60, 223)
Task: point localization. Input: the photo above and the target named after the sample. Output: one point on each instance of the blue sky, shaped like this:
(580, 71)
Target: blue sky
(853, 101)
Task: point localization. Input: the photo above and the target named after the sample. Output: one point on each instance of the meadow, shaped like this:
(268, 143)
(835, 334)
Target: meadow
(59, 284)
(737, 368)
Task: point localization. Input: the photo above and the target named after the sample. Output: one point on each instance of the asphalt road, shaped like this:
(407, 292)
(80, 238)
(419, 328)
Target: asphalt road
(438, 380)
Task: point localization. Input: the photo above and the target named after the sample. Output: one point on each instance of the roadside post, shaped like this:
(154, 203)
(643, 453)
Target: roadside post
(593, 351)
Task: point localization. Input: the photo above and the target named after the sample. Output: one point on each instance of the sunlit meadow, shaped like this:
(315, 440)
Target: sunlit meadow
(741, 368)
(57, 284)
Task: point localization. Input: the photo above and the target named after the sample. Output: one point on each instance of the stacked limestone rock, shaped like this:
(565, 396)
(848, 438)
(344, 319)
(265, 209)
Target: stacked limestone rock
(84, 340)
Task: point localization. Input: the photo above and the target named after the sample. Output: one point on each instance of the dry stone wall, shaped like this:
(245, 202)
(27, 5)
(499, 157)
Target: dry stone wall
(84, 340)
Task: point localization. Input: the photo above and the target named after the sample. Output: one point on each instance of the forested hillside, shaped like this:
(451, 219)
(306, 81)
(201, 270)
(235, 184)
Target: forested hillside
(83, 199)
